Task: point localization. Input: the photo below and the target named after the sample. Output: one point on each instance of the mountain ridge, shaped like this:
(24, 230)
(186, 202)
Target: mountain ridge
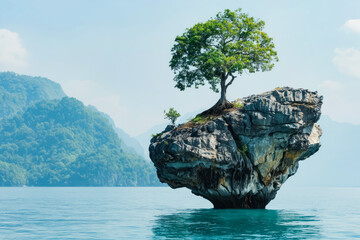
(53, 140)
(17, 92)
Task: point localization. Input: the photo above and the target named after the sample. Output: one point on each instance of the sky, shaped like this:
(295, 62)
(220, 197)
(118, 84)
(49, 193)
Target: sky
(115, 55)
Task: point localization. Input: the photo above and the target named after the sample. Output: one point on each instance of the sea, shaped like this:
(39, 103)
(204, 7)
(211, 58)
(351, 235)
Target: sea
(165, 213)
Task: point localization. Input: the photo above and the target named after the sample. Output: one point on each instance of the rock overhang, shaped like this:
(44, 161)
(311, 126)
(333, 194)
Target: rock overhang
(241, 158)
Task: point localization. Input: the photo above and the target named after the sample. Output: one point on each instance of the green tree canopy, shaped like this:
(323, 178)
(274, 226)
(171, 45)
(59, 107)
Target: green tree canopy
(218, 50)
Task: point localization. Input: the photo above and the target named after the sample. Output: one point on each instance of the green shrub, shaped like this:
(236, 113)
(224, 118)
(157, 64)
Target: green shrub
(155, 135)
(238, 105)
(172, 115)
(200, 119)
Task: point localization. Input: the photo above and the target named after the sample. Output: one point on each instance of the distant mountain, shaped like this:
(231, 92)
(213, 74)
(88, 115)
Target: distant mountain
(17, 92)
(64, 143)
(132, 144)
(48, 139)
(337, 163)
(130, 141)
(144, 138)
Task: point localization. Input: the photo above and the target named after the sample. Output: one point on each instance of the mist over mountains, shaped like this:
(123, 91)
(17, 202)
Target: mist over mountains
(48, 139)
(337, 163)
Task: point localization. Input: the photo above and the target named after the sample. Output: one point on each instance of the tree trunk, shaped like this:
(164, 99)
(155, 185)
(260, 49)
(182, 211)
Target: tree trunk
(222, 104)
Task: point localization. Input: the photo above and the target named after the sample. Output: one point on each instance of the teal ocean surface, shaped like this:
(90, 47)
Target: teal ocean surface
(164, 213)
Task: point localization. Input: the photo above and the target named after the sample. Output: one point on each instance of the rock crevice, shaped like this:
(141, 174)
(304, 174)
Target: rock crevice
(241, 158)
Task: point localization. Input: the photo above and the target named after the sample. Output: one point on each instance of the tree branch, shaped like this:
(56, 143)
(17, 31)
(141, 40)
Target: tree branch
(231, 81)
(227, 75)
(230, 40)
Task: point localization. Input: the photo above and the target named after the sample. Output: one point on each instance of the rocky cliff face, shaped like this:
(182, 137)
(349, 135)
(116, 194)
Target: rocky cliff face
(241, 158)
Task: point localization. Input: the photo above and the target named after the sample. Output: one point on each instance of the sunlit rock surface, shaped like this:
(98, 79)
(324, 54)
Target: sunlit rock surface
(242, 158)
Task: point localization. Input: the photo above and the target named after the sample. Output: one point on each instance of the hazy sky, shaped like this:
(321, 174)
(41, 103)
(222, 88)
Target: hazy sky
(115, 54)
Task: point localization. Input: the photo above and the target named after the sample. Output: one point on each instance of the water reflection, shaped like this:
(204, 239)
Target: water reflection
(236, 224)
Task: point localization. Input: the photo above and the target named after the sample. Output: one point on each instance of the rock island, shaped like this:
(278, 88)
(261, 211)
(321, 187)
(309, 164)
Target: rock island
(241, 158)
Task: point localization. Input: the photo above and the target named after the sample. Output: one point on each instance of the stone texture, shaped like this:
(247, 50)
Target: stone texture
(241, 158)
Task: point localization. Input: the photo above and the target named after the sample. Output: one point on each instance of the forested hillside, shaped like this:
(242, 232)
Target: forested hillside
(17, 92)
(61, 142)
(131, 143)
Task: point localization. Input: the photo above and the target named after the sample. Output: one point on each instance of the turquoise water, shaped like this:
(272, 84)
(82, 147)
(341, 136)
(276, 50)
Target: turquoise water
(164, 213)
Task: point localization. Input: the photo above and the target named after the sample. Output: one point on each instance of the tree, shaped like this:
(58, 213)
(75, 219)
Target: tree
(172, 115)
(216, 51)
